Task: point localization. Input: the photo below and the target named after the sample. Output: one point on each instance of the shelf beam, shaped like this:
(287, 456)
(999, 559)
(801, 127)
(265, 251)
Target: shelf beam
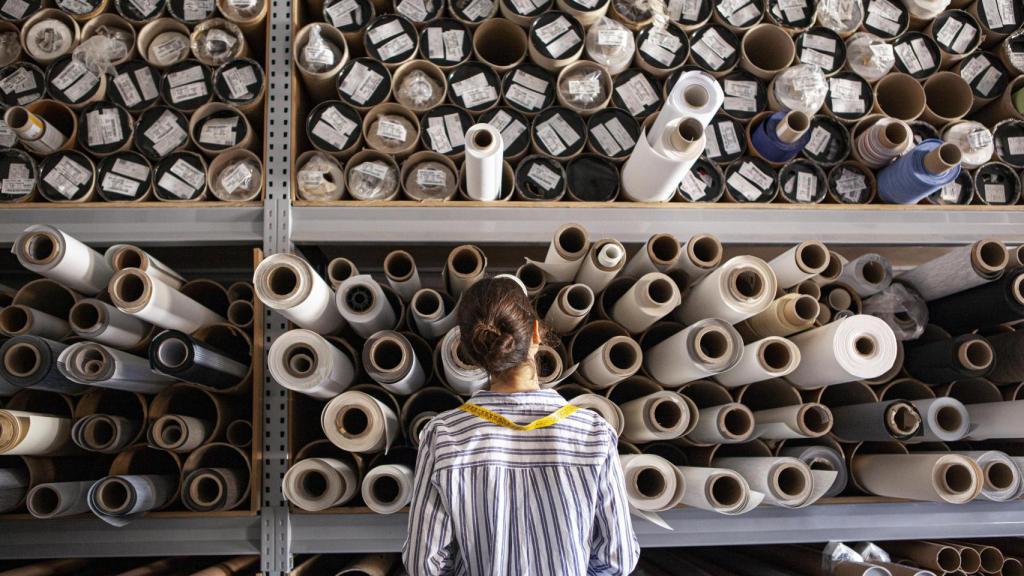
(90, 537)
(357, 533)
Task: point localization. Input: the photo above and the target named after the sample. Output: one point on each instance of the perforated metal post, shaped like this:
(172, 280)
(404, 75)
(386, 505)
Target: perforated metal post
(275, 526)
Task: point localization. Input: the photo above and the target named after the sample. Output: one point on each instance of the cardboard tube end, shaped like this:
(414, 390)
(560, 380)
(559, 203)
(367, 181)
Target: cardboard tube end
(942, 159)
(792, 126)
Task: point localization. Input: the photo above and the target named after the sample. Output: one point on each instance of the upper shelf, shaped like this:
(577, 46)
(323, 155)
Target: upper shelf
(353, 533)
(148, 224)
(532, 223)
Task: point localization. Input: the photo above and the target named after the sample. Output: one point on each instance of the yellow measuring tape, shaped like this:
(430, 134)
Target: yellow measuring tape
(494, 418)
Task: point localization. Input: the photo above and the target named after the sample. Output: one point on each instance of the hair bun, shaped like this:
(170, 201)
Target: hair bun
(496, 323)
(490, 346)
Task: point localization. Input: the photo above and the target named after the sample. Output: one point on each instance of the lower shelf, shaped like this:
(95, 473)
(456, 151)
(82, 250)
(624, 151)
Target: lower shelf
(90, 537)
(349, 533)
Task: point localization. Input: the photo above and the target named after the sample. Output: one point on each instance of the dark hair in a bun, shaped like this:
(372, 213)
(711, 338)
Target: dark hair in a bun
(496, 325)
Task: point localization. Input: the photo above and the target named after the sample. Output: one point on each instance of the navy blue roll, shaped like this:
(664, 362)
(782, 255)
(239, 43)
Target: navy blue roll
(766, 141)
(907, 181)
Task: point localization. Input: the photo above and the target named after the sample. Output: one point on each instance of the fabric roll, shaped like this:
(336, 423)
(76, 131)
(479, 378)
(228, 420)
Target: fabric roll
(465, 266)
(742, 287)
(104, 433)
(948, 478)
(100, 322)
(303, 361)
(867, 275)
(822, 458)
(616, 359)
(571, 306)
(902, 308)
(607, 409)
(117, 500)
(771, 357)
(996, 420)
(32, 362)
(121, 256)
(135, 293)
(949, 359)
(33, 434)
(876, 422)
(856, 348)
(365, 306)
(1008, 349)
(730, 423)
(705, 348)
(659, 416)
(701, 253)
(1001, 478)
(390, 360)
(357, 422)
(14, 484)
(433, 313)
(213, 489)
(340, 482)
(801, 262)
(942, 420)
(388, 488)
(179, 433)
(811, 420)
(17, 320)
(92, 364)
(653, 485)
(650, 299)
(59, 499)
(402, 274)
(719, 490)
(985, 306)
(785, 482)
(659, 254)
(57, 255)
(288, 284)
(179, 355)
(959, 269)
(461, 376)
(785, 316)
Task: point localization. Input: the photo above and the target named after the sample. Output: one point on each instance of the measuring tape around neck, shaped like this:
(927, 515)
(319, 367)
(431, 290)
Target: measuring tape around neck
(495, 418)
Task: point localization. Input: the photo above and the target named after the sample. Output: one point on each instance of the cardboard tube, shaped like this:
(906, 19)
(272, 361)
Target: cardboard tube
(33, 434)
(652, 483)
(1003, 108)
(570, 308)
(388, 488)
(241, 314)
(163, 42)
(216, 478)
(135, 293)
(799, 263)
(391, 360)
(900, 96)
(925, 477)
(110, 20)
(603, 262)
(657, 416)
(288, 284)
(357, 422)
(122, 256)
(568, 54)
(63, 39)
(933, 555)
(566, 85)
(700, 254)
(723, 424)
(250, 20)
(566, 253)
(316, 484)
(948, 98)
(766, 50)
(786, 482)
(421, 103)
(658, 254)
(44, 126)
(703, 349)
(500, 43)
(231, 567)
(374, 127)
(17, 320)
(610, 355)
(247, 142)
(465, 266)
(59, 499)
(321, 85)
(432, 313)
(340, 269)
(651, 298)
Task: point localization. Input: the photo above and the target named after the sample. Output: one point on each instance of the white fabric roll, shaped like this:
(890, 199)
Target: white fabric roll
(375, 429)
(659, 416)
(700, 484)
(401, 475)
(484, 156)
(69, 499)
(919, 477)
(605, 260)
(662, 495)
(145, 492)
(405, 280)
(692, 86)
(756, 364)
(57, 255)
(390, 360)
(713, 428)
(437, 323)
(160, 304)
(341, 483)
(996, 420)
(1001, 477)
(18, 320)
(463, 378)
(638, 308)
(599, 368)
(566, 254)
(792, 422)
(860, 347)
(288, 284)
(821, 458)
(92, 364)
(603, 406)
(703, 349)
(33, 434)
(659, 254)
(866, 275)
(735, 291)
(364, 306)
(101, 322)
(943, 420)
(653, 176)
(570, 308)
(798, 264)
(303, 361)
(700, 254)
(138, 258)
(765, 474)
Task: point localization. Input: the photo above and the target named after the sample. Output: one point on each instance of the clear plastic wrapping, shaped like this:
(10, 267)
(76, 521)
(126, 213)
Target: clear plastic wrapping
(430, 180)
(869, 56)
(245, 9)
(974, 141)
(902, 308)
(319, 54)
(373, 180)
(583, 88)
(611, 45)
(216, 41)
(320, 178)
(802, 88)
(238, 181)
(99, 53)
(391, 133)
(419, 90)
(840, 16)
(635, 10)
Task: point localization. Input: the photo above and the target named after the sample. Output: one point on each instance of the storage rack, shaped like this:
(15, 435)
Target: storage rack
(276, 535)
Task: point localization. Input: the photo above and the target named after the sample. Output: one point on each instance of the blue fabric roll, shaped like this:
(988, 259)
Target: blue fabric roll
(906, 181)
(766, 140)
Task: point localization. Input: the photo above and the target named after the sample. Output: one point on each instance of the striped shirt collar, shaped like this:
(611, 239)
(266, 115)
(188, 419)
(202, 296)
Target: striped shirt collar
(542, 397)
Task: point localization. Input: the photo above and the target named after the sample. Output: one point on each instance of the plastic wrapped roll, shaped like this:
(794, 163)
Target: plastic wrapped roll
(801, 262)
(942, 420)
(103, 323)
(877, 421)
(1001, 479)
(653, 484)
(465, 266)
(402, 275)
(433, 313)
(316, 484)
(607, 409)
(121, 256)
(730, 423)
(949, 359)
(986, 306)
(357, 422)
(388, 488)
(58, 499)
(785, 316)
(785, 482)
(33, 434)
(484, 156)
(31, 362)
(179, 355)
(742, 287)
(390, 360)
(303, 361)
(811, 420)
(658, 416)
(50, 252)
(821, 458)
(92, 364)
(856, 348)
(117, 500)
(867, 275)
(365, 306)
(718, 490)
(570, 308)
(948, 478)
(136, 293)
(658, 254)
(288, 284)
(695, 95)
(650, 299)
(107, 434)
(17, 320)
(704, 348)
(771, 357)
(603, 262)
(461, 376)
(901, 308)
(958, 270)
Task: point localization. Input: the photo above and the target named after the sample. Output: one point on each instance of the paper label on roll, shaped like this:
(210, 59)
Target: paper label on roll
(428, 178)
(438, 137)
(15, 8)
(704, 50)
(733, 103)
(83, 86)
(21, 80)
(876, 20)
(543, 176)
(104, 127)
(478, 9)
(452, 44)
(146, 84)
(17, 186)
(1015, 144)
(851, 185)
(637, 94)
(381, 33)
(390, 130)
(995, 193)
(658, 52)
(195, 10)
(693, 186)
(905, 52)
(988, 81)
(341, 13)
(605, 140)
(806, 186)
(820, 59)
(72, 72)
(126, 88)
(175, 186)
(188, 173)
(749, 191)
(186, 76)
(412, 9)
(360, 83)
(239, 80)
(612, 37)
(563, 44)
(117, 184)
(170, 49)
(165, 133)
(549, 138)
(548, 32)
(219, 131)
(435, 43)
(524, 97)
(950, 192)
(819, 140)
(396, 47)
(71, 172)
(130, 169)
(376, 170)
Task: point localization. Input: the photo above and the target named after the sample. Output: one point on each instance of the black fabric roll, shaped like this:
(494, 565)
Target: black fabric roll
(938, 362)
(34, 365)
(986, 306)
(1008, 367)
(200, 363)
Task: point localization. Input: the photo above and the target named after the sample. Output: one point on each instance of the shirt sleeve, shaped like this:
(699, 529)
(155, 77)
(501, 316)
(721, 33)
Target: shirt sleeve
(429, 549)
(614, 549)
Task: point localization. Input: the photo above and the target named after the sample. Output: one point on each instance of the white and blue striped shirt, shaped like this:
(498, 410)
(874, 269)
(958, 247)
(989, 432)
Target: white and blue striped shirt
(493, 501)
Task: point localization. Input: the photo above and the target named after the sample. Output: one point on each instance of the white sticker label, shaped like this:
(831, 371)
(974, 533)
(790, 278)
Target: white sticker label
(19, 81)
(146, 84)
(116, 184)
(995, 193)
(381, 33)
(427, 178)
(456, 132)
(950, 192)
(15, 8)
(165, 134)
(567, 41)
(524, 97)
(236, 178)
(390, 130)
(188, 173)
(186, 76)
(435, 43)
(988, 81)
(693, 186)
(604, 139)
(819, 141)
(453, 45)
(1015, 144)
(396, 47)
(219, 131)
(744, 187)
(621, 135)
(637, 94)
(478, 10)
(820, 43)
(239, 80)
(439, 141)
(552, 30)
(126, 88)
(543, 176)
(755, 175)
(730, 141)
(612, 37)
(103, 127)
(175, 186)
(130, 169)
(806, 186)
(412, 9)
(330, 134)
(549, 138)
(734, 104)
(188, 92)
(67, 177)
(376, 170)
(741, 88)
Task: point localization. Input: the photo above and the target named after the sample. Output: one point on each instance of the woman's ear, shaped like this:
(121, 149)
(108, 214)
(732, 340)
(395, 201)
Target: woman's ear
(536, 333)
